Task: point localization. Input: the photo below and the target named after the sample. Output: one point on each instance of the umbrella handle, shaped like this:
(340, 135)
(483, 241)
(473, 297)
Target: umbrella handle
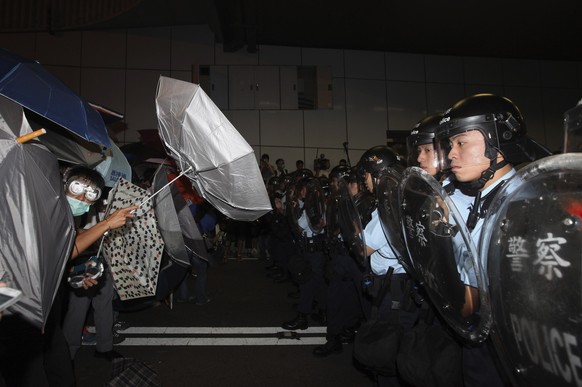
(29, 136)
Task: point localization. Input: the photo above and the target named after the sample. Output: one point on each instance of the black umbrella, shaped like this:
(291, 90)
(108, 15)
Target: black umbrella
(37, 225)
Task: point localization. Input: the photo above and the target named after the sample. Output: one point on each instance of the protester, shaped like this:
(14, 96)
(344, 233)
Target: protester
(84, 187)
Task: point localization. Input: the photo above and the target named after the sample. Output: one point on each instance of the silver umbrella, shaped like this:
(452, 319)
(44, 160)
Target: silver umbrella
(37, 225)
(221, 164)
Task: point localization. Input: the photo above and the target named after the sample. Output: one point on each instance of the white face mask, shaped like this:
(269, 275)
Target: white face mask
(78, 207)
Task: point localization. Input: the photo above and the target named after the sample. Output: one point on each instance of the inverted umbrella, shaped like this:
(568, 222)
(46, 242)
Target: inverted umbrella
(221, 164)
(29, 84)
(37, 224)
(134, 251)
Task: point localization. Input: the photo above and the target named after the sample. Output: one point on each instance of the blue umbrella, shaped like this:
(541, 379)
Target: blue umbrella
(29, 84)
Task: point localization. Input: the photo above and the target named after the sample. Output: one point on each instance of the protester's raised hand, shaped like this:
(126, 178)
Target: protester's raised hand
(119, 217)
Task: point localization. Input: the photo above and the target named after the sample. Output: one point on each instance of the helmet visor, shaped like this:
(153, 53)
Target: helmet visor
(423, 154)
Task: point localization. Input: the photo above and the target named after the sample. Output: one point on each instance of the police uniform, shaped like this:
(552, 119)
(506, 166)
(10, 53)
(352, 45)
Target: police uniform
(344, 293)
(398, 299)
(314, 290)
(480, 362)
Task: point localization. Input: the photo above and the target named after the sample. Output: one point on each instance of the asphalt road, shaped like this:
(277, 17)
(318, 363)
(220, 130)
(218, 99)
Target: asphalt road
(235, 340)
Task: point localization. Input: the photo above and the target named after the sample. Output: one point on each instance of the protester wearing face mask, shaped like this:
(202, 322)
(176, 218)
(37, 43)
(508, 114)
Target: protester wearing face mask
(83, 188)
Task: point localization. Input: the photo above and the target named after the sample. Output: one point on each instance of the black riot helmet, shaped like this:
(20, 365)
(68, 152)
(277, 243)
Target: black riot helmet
(340, 172)
(302, 173)
(380, 158)
(288, 179)
(500, 122)
(423, 133)
(273, 183)
(276, 186)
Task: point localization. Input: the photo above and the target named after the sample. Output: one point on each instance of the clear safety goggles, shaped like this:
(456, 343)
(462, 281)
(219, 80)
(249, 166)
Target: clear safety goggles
(77, 187)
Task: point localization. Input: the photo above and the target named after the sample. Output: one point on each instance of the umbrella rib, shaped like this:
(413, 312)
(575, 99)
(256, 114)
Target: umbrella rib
(221, 165)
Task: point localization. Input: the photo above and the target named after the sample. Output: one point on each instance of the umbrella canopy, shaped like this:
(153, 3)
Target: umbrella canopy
(114, 166)
(37, 224)
(198, 136)
(134, 251)
(176, 221)
(168, 221)
(29, 84)
(67, 146)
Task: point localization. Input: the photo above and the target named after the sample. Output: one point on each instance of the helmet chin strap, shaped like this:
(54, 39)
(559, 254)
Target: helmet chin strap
(474, 189)
(471, 188)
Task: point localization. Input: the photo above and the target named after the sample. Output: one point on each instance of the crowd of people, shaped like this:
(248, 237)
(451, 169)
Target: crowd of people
(325, 234)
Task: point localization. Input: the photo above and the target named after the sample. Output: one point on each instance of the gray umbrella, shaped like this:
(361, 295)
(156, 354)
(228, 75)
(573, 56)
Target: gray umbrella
(175, 221)
(37, 225)
(223, 165)
(168, 221)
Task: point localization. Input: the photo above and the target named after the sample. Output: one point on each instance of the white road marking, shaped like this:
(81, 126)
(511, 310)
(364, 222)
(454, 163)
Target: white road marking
(218, 341)
(215, 330)
(214, 336)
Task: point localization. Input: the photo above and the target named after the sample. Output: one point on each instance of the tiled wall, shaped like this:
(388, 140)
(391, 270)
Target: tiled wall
(372, 91)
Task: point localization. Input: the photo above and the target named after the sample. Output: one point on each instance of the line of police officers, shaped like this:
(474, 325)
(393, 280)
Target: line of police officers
(339, 238)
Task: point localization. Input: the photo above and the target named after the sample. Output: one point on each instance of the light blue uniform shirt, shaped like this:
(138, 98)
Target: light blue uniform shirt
(464, 204)
(384, 256)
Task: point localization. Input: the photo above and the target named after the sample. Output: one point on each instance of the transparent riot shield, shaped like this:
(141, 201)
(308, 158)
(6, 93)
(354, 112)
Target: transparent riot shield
(315, 205)
(443, 255)
(351, 224)
(573, 130)
(388, 210)
(293, 206)
(332, 213)
(533, 239)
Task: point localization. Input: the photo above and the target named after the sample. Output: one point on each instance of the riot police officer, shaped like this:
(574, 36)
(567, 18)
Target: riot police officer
(479, 140)
(278, 238)
(307, 268)
(344, 277)
(420, 144)
(396, 305)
